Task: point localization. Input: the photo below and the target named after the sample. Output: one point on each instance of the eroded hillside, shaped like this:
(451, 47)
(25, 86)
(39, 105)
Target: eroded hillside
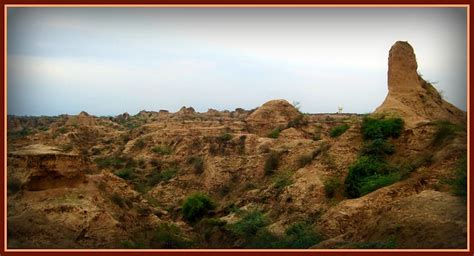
(272, 177)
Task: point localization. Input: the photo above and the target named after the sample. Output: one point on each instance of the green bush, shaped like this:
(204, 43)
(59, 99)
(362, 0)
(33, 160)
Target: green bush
(168, 173)
(377, 181)
(377, 148)
(300, 235)
(198, 164)
(283, 180)
(338, 130)
(224, 137)
(125, 173)
(274, 133)
(20, 134)
(196, 206)
(364, 167)
(263, 239)
(375, 128)
(248, 226)
(460, 182)
(272, 162)
(330, 186)
(169, 236)
(162, 149)
(115, 162)
(444, 131)
(297, 122)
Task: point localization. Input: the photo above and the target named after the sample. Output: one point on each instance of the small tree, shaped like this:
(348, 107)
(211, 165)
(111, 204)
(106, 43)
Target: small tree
(196, 206)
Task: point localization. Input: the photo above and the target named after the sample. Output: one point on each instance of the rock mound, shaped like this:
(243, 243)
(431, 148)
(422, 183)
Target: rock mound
(410, 96)
(272, 114)
(41, 167)
(82, 119)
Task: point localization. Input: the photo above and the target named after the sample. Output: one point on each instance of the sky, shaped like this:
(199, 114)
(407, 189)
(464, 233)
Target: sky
(107, 61)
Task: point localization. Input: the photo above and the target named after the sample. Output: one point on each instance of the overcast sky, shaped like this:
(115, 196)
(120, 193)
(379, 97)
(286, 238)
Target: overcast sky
(107, 61)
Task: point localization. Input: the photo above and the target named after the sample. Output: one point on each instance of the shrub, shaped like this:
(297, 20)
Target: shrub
(162, 149)
(226, 136)
(283, 180)
(304, 160)
(168, 173)
(444, 131)
(338, 130)
(169, 236)
(377, 148)
(460, 182)
(20, 134)
(248, 226)
(374, 128)
(272, 162)
(197, 163)
(300, 235)
(274, 133)
(264, 239)
(364, 167)
(125, 173)
(377, 181)
(196, 206)
(330, 186)
(297, 122)
(13, 185)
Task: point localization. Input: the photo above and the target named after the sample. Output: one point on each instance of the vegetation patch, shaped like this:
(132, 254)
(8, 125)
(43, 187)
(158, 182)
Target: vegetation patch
(377, 148)
(198, 164)
(338, 130)
(197, 206)
(444, 131)
(125, 173)
(381, 128)
(371, 172)
(297, 122)
(459, 183)
(330, 186)
(300, 235)
(224, 137)
(274, 133)
(169, 236)
(248, 226)
(282, 181)
(20, 134)
(374, 182)
(162, 150)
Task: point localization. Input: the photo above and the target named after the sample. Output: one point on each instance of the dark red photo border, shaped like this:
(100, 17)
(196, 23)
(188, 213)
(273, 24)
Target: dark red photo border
(227, 3)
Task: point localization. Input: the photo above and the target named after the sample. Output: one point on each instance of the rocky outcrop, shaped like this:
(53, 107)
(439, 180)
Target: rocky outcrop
(40, 167)
(272, 114)
(410, 96)
(82, 119)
